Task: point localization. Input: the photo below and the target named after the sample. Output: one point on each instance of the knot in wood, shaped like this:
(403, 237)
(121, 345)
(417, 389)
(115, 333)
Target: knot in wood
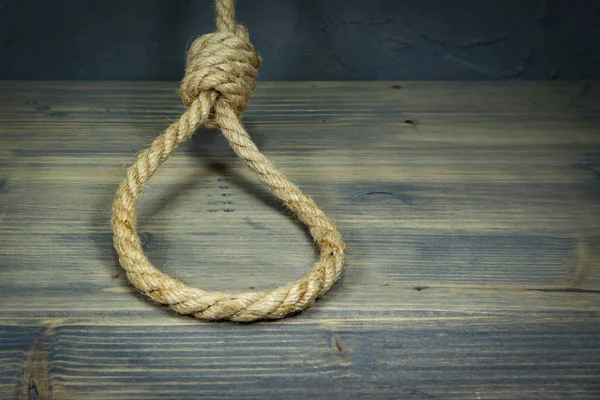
(225, 63)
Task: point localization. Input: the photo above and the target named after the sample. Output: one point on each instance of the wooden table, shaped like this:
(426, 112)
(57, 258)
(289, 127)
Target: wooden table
(471, 213)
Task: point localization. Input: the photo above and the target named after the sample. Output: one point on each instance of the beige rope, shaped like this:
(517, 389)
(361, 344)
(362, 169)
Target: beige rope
(220, 77)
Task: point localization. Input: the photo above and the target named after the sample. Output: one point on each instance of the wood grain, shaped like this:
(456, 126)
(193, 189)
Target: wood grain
(471, 213)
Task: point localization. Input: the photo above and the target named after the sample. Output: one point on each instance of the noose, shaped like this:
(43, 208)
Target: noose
(220, 76)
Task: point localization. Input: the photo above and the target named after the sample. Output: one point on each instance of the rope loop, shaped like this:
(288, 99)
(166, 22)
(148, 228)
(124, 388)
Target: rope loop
(220, 77)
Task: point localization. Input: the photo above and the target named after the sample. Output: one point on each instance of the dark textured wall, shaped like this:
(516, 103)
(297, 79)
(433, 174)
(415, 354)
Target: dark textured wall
(308, 39)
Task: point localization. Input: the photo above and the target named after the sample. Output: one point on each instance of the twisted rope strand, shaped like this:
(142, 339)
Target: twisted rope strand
(221, 70)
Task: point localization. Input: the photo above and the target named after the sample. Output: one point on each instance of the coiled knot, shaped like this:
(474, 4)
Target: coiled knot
(225, 63)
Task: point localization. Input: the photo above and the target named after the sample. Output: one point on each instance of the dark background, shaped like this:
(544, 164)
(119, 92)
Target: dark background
(308, 39)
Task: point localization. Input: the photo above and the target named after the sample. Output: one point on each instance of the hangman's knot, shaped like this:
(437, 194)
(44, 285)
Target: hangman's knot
(223, 62)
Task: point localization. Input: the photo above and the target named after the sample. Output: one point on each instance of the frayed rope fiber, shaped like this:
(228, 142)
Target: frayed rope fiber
(220, 77)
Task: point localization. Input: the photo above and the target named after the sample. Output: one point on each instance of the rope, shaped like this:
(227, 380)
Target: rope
(221, 70)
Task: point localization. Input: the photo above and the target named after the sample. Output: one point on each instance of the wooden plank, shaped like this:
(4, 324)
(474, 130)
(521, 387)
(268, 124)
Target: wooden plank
(470, 211)
(306, 97)
(434, 356)
(456, 231)
(119, 305)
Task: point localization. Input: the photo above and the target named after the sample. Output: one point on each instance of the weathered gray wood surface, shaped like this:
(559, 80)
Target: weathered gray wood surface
(471, 213)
